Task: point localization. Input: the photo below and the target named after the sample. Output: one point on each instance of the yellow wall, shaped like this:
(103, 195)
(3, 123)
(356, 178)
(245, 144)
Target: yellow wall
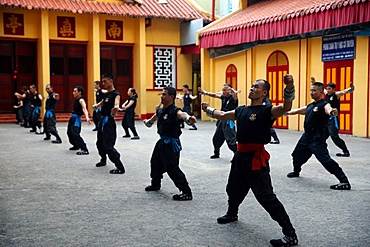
(163, 32)
(304, 58)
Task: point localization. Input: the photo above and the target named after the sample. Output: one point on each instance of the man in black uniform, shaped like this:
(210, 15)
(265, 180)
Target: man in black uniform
(166, 153)
(313, 140)
(26, 109)
(187, 99)
(250, 165)
(74, 124)
(107, 133)
(36, 104)
(333, 98)
(50, 120)
(98, 97)
(225, 130)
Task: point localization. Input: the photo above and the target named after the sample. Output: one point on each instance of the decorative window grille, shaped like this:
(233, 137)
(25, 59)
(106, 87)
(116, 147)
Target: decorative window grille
(164, 67)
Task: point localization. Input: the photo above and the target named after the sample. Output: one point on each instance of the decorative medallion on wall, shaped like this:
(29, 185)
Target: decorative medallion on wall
(13, 24)
(164, 67)
(66, 27)
(113, 30)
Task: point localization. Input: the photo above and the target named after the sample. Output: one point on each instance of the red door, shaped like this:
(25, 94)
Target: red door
(68, 69)
(117, 60)
(341, 73)
(17, 69)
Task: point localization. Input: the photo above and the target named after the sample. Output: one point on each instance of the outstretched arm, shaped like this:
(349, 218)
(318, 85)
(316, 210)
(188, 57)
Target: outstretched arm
(345, 91)
(331, 111)
(289, 95)
(213, 95)
(299, 111)
(186, 117)
(83, 104)
(220, 115)
(149, 122)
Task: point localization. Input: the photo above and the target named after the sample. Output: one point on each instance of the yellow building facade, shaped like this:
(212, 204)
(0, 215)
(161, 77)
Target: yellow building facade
(74, 47)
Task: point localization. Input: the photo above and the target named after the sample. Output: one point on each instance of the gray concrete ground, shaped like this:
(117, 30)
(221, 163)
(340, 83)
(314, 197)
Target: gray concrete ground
(49, 196)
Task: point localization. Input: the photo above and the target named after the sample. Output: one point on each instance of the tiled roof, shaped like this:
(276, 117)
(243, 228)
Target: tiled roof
(173, 9)
(274, 11)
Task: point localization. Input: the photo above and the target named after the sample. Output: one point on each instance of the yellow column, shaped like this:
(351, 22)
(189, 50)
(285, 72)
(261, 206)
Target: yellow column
(93, 60)
(43, 56)
(140, 68)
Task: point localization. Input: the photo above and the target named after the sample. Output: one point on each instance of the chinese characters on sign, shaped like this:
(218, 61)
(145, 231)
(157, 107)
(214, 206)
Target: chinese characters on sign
(66, 27)
(338, 47)
(113, 30)
(13, 24)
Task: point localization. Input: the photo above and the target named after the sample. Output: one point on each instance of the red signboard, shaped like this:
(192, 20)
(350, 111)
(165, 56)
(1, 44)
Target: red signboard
(113, 30)
(66, 27)
(13, 24)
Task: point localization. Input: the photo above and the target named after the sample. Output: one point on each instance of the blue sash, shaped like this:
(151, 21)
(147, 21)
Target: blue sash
(230, 123)
(176, 145)
(49, 114)
(104, 121)
(98, 110)
(335, 121)
(37, 109)
(78, 120)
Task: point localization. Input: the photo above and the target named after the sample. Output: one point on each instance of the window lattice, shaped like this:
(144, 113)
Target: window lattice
(164, 67)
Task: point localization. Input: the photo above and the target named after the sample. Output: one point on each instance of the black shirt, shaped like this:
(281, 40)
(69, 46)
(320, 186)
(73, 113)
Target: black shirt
(168, 123)
(51, 103)
(77, 107)
(99, 96)
(108, 102)
(316, 118)
(187, 99)
(27, 99)
(228, 103)
(36, 101)
(333, 101)
(131, 109)
(253, 124)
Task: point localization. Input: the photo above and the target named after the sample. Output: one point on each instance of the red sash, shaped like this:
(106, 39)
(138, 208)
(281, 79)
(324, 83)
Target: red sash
(260, 156)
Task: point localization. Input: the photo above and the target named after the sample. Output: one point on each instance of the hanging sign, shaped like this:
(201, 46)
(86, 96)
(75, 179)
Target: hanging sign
(338, 47)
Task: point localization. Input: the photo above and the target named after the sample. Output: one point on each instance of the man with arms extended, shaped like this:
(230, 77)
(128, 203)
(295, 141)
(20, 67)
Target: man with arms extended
(250, 165)
(107, 133)
(166, 153)
(313, 140)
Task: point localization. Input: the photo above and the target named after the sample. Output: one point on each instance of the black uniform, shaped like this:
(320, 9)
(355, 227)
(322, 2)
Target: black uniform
(36, 102)
(166, 153)
(27, 110)
(128, 120)
(250, 165)
(107, 134)
(313, 141)
(50, 120)
(333, 124)
(187, 108)
(97, 113)
(74, 126)
(225, 130)
(267, 101)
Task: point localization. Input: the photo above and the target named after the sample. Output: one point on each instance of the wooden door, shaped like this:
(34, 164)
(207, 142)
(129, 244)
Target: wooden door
(17, 69)
(341, 73)
(68, 69)
(277, 67)
(117, 60)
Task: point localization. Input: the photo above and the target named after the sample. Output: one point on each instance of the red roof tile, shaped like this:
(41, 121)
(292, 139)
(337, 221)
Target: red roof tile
(275, 10)
(173, 9)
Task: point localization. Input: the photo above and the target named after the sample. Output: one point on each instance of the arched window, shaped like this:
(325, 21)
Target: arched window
(232, 76)
(277, 67)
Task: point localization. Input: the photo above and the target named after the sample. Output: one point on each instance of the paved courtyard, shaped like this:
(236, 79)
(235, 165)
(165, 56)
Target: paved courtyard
(49, 196)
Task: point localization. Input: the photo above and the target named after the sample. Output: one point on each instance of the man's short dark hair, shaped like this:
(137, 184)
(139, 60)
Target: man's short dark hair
(80, 89)
(25, 88)
(227, 85)
(33, 86)
(97, 82)
(171, 91)
(320, 85)
(107, 75)
(331, 84)
(186, 86)
(266, 85)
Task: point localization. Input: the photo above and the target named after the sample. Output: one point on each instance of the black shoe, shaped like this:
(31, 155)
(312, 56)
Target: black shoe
(344, 154)
(152, 188)
(341, 186)
(284, 241)
(47, 138)
(293, 174)
(275, 142)
(193, 128)
(32, 130)
(226, 219)
(100, 164)
(117, 171)
(135, 138)
(57, 141)
(95, 129)
(126, 136)
(82, 152)
(73, 148)
(183, 197)
(215, 156)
